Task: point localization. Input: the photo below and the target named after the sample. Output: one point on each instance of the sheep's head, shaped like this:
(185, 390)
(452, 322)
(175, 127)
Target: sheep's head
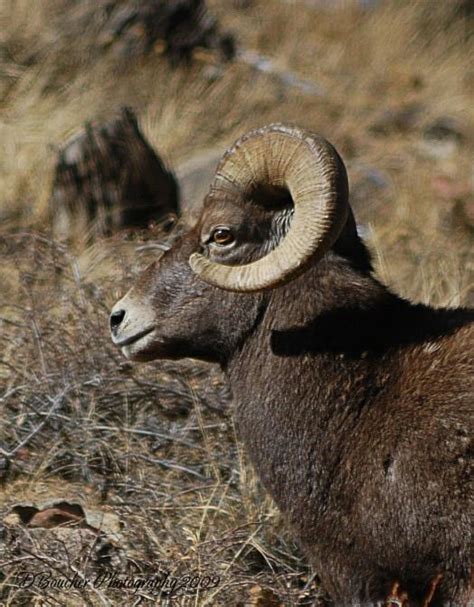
(277, 203)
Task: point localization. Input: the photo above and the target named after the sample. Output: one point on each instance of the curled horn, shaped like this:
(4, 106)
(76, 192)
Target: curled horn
(310, 169)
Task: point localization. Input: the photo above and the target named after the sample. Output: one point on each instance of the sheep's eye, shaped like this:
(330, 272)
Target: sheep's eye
(222, 236)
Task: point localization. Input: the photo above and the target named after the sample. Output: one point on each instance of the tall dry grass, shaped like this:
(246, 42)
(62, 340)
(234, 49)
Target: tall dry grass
(366, 61)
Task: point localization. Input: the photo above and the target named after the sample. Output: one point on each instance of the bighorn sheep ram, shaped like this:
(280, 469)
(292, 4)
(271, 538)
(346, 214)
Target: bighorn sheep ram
(355, 405)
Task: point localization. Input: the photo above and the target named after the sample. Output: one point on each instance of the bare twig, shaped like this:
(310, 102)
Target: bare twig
(57, 402)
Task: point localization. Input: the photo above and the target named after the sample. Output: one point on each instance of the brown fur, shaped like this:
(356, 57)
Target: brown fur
(355, 407)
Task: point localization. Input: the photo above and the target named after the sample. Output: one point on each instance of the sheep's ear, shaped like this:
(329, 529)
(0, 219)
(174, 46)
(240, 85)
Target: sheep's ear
(350, 245)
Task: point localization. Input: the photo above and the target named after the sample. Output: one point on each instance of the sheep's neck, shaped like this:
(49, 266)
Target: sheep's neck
(299, 362)
(329, 348)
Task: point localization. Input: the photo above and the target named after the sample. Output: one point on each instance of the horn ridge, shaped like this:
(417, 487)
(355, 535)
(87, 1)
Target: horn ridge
(311, 170)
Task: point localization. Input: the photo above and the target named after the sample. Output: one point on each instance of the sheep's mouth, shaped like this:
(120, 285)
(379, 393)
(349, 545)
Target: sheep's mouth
(134, 338)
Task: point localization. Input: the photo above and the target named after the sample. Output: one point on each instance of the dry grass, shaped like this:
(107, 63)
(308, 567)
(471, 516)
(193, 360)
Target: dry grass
(155, 444)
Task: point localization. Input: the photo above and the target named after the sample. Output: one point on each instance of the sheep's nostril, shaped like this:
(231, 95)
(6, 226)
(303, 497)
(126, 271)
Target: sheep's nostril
(116, 318)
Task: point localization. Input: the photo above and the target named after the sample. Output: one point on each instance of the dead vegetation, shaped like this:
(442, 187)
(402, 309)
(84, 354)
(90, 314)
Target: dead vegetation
(107, 179)
(154, 445)
(156, 449)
